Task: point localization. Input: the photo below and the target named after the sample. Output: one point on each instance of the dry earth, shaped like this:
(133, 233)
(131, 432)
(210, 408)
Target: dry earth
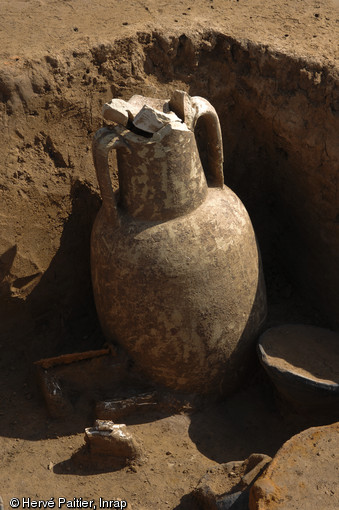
(30, 28)
(60, 60)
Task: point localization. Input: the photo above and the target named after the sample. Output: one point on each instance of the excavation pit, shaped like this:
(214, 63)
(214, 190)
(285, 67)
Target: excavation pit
(279, 118)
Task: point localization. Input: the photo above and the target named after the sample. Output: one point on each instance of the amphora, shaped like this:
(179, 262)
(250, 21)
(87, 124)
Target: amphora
(176, 269)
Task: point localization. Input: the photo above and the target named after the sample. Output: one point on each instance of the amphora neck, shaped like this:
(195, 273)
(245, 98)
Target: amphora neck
(160, 172)
(161, 177)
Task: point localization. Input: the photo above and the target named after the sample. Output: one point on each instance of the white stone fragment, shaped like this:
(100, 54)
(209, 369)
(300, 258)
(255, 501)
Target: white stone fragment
(181, 104)
(152, 102)
(119, 111)
(105, 425)
(152, 120)
(109, 438)
(116, 111)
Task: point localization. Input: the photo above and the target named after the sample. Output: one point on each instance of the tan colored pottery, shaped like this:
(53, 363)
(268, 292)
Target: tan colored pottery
(303, 475)
(302, 362)
(176, 269)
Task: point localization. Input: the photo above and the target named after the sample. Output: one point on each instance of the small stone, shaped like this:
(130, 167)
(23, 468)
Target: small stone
(50, 466)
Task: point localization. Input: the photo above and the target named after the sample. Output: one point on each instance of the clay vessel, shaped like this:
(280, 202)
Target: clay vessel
(176, 269)
(302, 362)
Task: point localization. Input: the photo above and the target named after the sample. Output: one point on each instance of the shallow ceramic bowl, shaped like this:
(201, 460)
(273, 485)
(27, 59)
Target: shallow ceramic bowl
(303, 364)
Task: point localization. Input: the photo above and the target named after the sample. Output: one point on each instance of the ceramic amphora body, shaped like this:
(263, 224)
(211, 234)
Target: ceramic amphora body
(176, 269)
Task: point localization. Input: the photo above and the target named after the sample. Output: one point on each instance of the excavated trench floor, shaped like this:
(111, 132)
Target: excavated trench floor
(279, 118)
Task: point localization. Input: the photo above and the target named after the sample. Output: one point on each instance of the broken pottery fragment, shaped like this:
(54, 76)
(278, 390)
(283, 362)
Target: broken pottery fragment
(147, 117)
(227, 486)
(108, 438)
(303, 475)
(71, 382)
(138, 102)
(119, 408)
(181, 104)
(152, 120)
(109, 446)
(119, 111)
(58, 404)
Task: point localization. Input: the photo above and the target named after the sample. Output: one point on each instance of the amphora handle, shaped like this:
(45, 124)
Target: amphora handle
(106, 139)
(207, 113)
(190, 109)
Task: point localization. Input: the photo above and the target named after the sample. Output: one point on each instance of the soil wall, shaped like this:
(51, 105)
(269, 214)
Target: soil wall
(280, 121)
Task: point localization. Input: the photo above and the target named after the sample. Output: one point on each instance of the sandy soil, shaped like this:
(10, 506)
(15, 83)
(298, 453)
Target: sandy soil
(35, 449)
(304, 27)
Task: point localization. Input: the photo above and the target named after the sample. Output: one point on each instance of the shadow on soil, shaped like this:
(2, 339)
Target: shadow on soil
(57, 317)
(247, 422)
(253, 420)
